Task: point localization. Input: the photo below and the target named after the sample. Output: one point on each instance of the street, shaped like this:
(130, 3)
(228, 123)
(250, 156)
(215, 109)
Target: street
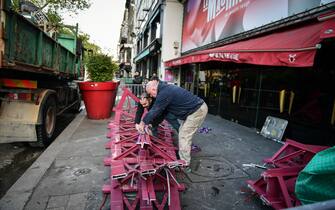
(15, 158)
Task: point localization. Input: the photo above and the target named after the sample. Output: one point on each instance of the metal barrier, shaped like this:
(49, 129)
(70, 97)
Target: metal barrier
(136, 89)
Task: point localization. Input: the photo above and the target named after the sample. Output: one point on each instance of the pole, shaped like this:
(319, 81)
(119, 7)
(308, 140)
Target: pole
(258, 98)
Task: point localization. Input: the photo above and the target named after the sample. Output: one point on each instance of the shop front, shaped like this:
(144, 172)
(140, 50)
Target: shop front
(248, 94)
(288, 73)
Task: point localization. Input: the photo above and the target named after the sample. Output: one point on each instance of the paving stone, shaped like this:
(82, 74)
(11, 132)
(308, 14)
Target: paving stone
(59, 208)
(77, 201)
(58, 201)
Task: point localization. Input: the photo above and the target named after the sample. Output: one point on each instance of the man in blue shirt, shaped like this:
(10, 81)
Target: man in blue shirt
(182, 104)
(147, 102)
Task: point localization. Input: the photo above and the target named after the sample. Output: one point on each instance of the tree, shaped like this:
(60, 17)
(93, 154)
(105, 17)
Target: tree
(68, 5)
(89, 46)
(52, 8)
(100, 67)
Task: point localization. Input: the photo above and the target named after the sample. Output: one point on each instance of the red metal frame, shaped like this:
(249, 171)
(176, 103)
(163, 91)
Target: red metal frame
(142, 166)
(276, 186)
(293, 153)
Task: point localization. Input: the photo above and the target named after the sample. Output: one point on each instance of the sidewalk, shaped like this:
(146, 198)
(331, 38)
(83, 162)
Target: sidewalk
(70, 173)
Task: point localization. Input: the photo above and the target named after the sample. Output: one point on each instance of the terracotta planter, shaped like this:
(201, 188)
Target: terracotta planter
(99, 98)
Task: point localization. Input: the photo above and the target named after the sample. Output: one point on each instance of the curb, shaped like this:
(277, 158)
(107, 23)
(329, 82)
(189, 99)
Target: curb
(19, 194)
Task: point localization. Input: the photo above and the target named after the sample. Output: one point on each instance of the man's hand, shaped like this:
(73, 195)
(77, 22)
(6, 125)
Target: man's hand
(140, 127)
(137, 126)
(148, 130)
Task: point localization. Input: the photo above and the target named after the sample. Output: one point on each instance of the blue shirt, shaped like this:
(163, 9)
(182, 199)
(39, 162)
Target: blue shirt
(175, 100)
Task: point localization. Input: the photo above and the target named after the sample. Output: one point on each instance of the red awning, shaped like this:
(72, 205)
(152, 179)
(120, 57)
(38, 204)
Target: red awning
(295, 48)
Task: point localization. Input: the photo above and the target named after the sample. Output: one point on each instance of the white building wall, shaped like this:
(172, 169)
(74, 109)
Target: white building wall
(172, 31)
(133, 54)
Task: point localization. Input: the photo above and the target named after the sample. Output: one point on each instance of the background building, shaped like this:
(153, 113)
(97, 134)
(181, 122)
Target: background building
(158, 35)
(127, 37)
(248, 61)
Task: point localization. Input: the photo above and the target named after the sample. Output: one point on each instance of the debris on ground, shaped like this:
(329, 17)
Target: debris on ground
(204, 130)
(195, 148)
(253, 165)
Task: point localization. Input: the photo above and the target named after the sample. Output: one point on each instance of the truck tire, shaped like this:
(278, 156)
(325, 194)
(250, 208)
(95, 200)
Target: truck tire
(45, 131)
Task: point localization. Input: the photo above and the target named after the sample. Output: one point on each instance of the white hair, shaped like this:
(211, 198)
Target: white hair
(151, 84)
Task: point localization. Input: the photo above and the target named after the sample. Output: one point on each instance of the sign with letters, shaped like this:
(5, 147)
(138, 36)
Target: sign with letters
(208, 21)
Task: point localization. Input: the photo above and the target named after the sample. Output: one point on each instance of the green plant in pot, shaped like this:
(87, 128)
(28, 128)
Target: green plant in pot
(100, 68)
(99, 93)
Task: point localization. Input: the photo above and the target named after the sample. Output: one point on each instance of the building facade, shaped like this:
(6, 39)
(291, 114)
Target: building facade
(158, 28)
(126, 41)
(248, 61)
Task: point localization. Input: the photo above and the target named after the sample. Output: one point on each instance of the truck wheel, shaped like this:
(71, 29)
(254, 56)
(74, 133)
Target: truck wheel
(46, 130)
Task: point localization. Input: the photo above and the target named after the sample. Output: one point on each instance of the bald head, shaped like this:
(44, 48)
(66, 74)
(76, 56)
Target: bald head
(152, 88)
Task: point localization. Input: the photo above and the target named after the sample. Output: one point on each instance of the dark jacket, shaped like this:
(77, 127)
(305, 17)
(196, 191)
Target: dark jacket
(175, 100)
(137, 80)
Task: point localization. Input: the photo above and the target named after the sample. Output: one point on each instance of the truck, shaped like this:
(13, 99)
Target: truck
(38, 74)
